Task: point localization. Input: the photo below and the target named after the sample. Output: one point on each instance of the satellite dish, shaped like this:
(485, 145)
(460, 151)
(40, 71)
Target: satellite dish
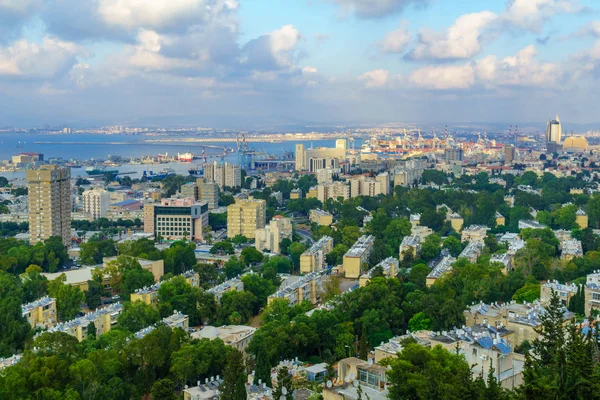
(329, 384)
(352, 375)
(355, 383)
(284, 390)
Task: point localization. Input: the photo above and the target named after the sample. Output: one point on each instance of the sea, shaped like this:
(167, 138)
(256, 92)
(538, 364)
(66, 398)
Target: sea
(85, 147)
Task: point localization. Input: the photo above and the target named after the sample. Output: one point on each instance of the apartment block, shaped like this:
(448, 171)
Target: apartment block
(357, 255)
(333, 191)
(476, 233)
(157, 267)
(245, 216)
(96, 202)
(40, 313)
(313, 259)
(269, 237)
(521, 319)
(176, 218)
(320, 217)
(443, 266)
(592, 293)
(365, 186)
(307, 288)
(296, 194)
(208, 191)
(49, 203)
(389, 266)
(176, 320)
(234, 284)
(564, 291)
(410, 244)
(236, 336)
(104, 319)
(224, 175)
(149, 295)
(472, 251)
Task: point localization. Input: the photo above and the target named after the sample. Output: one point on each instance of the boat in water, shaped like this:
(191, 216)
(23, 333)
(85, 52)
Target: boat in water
(196, 172)
(162, 174)
(100, 171)
(185, 157)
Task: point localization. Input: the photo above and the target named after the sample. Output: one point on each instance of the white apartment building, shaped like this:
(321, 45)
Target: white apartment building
(269, 237)
(96, 202)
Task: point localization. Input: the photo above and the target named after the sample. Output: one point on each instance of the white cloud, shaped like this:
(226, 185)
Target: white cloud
(396, 40)
(491, 73)
(530, 15)
(444, 77)
(48, 59)
(462, 40)
(374, 8)
(19, 7)
(273, 50)
(378, 78)
(161, 14)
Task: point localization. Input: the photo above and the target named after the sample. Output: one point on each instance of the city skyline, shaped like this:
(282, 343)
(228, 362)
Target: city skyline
(254, 63)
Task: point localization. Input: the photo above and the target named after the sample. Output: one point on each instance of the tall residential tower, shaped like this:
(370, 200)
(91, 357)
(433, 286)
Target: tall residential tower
(49, 203)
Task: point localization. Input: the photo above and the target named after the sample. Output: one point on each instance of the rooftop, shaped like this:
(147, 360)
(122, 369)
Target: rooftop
(44, 301)
(386, 264)
(442, 267)
(411, 240)
(362, 244)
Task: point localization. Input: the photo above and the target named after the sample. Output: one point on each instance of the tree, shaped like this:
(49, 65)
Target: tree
(233, 267)
(284, 385)
(419, 322)
(577, 302)
(35, 284)
(296, 250)
(136, 316)
(177, 294)
(135, 278)
(453, 245)
(284, 246)
(491, 242)
(163, 389)
(251, 256)
(528, 293)
(430, 248)
(14, 328)
(93, 296)
(418, 274)
(233, 386)
(68, 298)
(238, 240)
(179, 257)
(363, 344)
(350, 235)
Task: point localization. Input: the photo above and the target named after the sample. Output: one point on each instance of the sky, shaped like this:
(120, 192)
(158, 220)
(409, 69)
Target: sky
(250, 63)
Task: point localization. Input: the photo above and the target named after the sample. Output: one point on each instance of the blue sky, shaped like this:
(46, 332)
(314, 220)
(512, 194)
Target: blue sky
(264, 62)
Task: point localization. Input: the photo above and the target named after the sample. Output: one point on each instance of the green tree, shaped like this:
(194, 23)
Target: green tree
(430, 248)
(177, 294)
(14, 328)
(453, 245)
(35, 284)
(233, 386)
(251, 256)
(238, 240)
(419, 322)
(93, 296)
(233, 267)
(137, 315)
(363, 344)
(296, 250)
(68, 298)
(528, 293)
(284, 387)
(577, 302)
(163, 389)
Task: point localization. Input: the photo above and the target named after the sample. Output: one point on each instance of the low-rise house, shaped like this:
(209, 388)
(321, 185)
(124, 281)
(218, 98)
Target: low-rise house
(306, 288)
(472, 251)
(234, 284)
(320, 217)
(176, 320)
(371, 378)
(474, 233)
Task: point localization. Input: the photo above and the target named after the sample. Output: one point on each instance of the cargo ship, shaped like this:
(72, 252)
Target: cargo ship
(160, 175)
(196, 172)
(185, 157)
(100, 171)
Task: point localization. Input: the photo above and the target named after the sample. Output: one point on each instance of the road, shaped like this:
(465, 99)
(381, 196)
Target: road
(305, 234)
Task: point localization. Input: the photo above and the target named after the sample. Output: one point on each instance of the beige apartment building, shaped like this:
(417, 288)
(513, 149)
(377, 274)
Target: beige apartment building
(245, 217)
(224, 175)
(40, 313)
(333, 191)
(320, 217)
(357, 255)
(313, 259)
(269, 237)
(49, 203)
(208, 191)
